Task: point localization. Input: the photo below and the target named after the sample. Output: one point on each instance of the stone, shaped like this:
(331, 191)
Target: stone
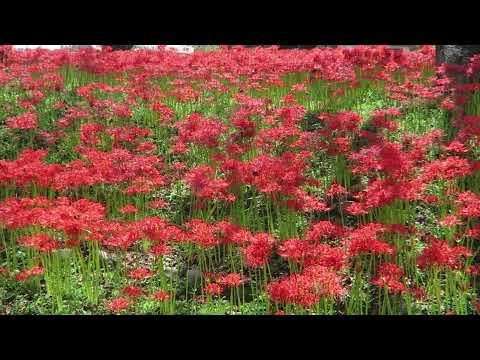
(194, 276)
(122, 47)
(301, 46)
(184, 49)
(456, 54)
(31, 47)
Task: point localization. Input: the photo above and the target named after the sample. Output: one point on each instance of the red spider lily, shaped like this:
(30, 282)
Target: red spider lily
(50, 137)
(357, 209)
(257, 146)
(146, 147)
(99, 167)
(160, 250)
(400, 229)
(343, 122)
(205, 186)
(364, 240)
(229, 233)
(144, 185)
(118, 305)
(474, 232)
(129, 134)
(231, 280)
(41, 242)
(418, 292)
(289, 99)
(158, 204)
(115, 235)
(121, 110)
(266, 139)
(299, 87)
(473, 270)
(128, 209)
(213, 289)
(323, 230)
(306, 289)
(28, 169)
(447, 169)
(306, 203)
(140, 274)
(294, 249)
(184, 94)
(327, 283)
(63, 214)
(469, 204)
(477, 306)
(165, 113)
(36, 96)
(441, 255)
(159, 230)
(161, 296)
(201, 233)
(258, 250)
(379, 121)
(450, 220)
(89, 133)
(245, 128)
(25, 121)
(336, 190)
(199, 130)
(386, 157)
(326, 256)
(28, 273)
(242, 237)
(389, 277)
(456, 147)
(133, 291)
(311, 254)
(276, 175)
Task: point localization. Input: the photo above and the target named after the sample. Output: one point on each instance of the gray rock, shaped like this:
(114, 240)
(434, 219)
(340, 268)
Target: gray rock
(171, 265)
(122, 47)
(194, 276)
(456, 54)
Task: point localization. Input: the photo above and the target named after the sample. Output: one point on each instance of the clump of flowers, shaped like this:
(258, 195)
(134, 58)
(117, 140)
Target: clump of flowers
(26, 274)
(118, 305)
(389, 277)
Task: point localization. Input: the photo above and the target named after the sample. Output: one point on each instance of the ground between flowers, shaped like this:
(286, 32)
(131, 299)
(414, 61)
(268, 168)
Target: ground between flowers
(238, 181)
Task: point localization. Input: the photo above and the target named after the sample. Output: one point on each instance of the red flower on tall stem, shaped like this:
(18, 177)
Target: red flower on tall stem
(118, 305)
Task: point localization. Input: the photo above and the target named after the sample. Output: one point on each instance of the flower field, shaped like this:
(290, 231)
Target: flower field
(240, 181)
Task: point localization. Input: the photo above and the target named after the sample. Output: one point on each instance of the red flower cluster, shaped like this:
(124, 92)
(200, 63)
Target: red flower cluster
(389, 277)
(118, 305)
(140, 274)
(161, 296)
(231, 280)
(213, 289)
(41, 242)
(364, 240)
(308, 288)
(25, 121)
(28, 273)
(265, 155)
(258, 250)
(205, 186)
(198, 130)
(440, 254)
(133, 291)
